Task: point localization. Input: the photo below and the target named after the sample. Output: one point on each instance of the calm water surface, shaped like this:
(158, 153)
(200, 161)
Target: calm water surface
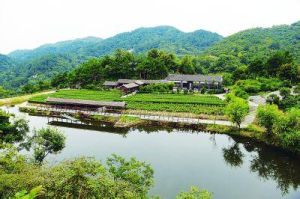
(231, 168)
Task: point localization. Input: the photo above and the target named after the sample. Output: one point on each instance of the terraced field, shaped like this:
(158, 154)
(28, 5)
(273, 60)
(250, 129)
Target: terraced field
(113, 95)
(197, 104)
(176, 99)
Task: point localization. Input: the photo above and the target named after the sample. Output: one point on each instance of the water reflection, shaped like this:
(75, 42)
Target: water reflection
(268, 162)
(233, 155)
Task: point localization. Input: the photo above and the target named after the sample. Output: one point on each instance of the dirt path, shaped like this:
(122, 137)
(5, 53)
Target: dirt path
(254, 102)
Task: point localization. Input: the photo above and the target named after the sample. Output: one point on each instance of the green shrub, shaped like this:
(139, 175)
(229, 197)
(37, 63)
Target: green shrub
(297, 89)
(284, 92)
(273, 99)
(157, 88)
(291, 140)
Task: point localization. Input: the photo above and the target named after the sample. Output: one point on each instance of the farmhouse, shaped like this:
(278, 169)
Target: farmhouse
(195, 81)
(189, 82)
(110, 84)
(129, 88)
(122, 82)
(130, 85)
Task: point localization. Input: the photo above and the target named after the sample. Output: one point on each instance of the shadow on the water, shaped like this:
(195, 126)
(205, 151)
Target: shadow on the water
(268, 162)
(101, 128)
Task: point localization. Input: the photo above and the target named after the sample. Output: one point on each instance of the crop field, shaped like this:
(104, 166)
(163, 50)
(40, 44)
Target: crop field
(197, 104)
(176, 99)
(184, 108)
(113, 95)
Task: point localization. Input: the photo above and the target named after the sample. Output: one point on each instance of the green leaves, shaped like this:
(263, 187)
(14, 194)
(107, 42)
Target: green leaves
(237, 109)
(47, 141)
(139, 174)
(78, 178)
(267, 116)
(31, 195)
(194, 193)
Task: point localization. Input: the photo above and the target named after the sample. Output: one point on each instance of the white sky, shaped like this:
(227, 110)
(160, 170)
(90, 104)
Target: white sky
(30, 23)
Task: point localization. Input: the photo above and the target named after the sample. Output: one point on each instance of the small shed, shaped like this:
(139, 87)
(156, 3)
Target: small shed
(129, 88)
(110, 84)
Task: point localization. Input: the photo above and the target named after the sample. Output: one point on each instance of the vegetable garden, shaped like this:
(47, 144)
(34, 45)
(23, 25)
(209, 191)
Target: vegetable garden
(191, 103)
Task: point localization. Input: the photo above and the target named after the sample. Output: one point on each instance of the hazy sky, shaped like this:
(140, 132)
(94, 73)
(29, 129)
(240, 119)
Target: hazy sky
(30, 23)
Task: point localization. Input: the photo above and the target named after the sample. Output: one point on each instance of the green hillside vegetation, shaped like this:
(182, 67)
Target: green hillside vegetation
(77, 46)
(246, 46)
(51, 59)
(5, 62)
(250, 54)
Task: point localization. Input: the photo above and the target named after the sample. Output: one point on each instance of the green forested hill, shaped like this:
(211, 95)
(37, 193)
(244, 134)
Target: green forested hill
(77, 46)
(5, 62)
(41, 68)
(140, 40)
(258, 43)
(162, 37)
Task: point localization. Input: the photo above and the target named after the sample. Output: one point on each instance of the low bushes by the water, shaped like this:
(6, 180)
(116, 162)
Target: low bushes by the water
(35, 112)
(28, 110)
(102, 118)
(128, 121)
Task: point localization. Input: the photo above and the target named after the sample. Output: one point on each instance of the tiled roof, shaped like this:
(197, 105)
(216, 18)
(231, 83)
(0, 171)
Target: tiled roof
(194, 78)
(131, 85)
(140, 81)
(126, 81)
(110, 83)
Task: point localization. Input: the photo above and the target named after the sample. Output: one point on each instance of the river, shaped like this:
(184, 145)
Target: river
(230, 167)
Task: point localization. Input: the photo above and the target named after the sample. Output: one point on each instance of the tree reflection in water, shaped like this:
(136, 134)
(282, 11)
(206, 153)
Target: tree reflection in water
(268, 162)
(233, 155)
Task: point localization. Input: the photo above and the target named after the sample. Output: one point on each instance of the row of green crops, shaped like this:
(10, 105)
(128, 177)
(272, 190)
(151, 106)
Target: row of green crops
(197, 104)
(113, 95)
(176, 99)
(184, 108)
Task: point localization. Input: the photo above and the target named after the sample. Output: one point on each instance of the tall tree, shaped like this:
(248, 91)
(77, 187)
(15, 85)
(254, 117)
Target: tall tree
(236, 110)
(187, 65)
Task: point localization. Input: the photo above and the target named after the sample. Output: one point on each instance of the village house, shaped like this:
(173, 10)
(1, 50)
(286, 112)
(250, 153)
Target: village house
(191, 82)
(188, 82)
(110, 84)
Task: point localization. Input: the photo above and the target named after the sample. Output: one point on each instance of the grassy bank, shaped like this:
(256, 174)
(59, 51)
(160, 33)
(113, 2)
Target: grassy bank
(23, 98)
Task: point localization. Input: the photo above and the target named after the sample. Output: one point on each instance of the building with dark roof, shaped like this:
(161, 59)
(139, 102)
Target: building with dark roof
(110, 84)
(195, 81)
(129, 88)
(181, 81)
